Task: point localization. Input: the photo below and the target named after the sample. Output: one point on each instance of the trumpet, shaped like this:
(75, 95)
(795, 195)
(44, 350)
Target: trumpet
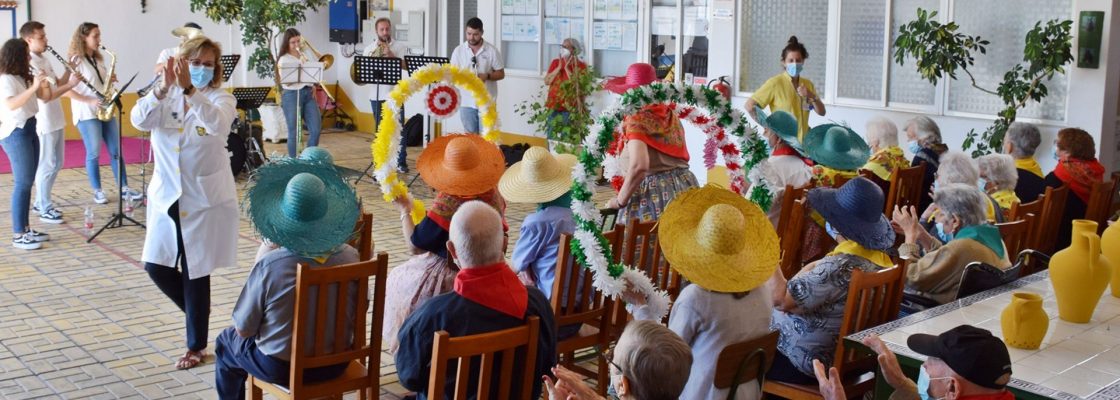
(66, 64)
(326, 59)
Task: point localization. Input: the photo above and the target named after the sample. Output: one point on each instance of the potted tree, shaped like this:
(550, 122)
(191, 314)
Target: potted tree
(564, 134)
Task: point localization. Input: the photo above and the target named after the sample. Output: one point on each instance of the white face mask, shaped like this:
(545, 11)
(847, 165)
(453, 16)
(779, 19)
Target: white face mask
(565, 53)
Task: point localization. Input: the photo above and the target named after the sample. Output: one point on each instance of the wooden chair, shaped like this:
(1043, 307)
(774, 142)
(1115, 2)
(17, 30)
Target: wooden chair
(743, 362)
(364, 357)
(873, 299)
(790, 237)
(1101, 197)
(576, 302)
(883, 184)
(481, 350)
(788, 197)
(641, 250)
(1053, 207)
(1020, 211)
(364, 241)
(1015, 234)
(905, 188)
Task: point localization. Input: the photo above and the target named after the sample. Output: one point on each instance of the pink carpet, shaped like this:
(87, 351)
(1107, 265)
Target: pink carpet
(135, 151)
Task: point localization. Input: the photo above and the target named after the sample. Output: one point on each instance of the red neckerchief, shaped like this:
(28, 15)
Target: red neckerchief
(785, 150)
(1080, 175)
(658, 127)
(1004, 395)
(494, 286)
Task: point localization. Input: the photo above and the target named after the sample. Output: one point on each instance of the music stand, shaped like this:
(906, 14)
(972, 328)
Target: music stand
(251, 99)
(378, 71)
(305, 73)
(117, 220)
(229, 61)
(414, 63)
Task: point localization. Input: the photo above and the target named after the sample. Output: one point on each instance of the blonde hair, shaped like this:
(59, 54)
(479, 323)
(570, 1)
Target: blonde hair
(78, 41)
(203, 43)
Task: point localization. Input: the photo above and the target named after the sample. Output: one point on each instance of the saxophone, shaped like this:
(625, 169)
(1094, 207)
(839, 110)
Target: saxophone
(108, 108)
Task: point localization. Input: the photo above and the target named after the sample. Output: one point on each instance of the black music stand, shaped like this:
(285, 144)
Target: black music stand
(229, 61)
(118, 218)
(414, 63)
(251, 99)
(379, 71)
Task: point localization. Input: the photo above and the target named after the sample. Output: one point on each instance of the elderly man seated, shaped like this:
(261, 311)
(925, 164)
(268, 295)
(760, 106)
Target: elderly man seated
(488, 297)
(964, 363)
(293, 204)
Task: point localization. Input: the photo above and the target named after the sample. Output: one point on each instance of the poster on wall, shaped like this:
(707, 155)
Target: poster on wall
(379, 5)
(1089, 28)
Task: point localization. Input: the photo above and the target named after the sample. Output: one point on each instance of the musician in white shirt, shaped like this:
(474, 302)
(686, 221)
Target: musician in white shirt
(299, 95)
(18, 91)
(385, 46)
(486, 62)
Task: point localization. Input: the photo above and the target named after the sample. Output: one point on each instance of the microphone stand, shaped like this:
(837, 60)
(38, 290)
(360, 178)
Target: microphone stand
(118, 218)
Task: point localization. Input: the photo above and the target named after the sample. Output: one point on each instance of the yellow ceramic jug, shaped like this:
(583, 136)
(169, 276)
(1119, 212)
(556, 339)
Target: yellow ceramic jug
(1110, 248)
(1079, 274)
(1024, 322)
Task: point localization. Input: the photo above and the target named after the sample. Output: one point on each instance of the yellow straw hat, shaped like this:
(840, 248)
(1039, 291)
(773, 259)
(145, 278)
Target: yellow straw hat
(718, 240)
(539, 177)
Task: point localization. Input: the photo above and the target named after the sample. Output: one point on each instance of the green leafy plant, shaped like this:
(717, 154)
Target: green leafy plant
(566, 135)
(262, 22)
(940, 50)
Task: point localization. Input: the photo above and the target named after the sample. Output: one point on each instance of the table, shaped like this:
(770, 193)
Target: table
(1075, 361)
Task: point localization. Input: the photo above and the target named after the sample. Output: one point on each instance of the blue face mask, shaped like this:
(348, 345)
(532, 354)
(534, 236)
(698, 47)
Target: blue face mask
(794, 69)
(983, 183)
(923, 384)
(831, 231)
(913, 146)
(1055, 154)
(942, 235)
(201, 76)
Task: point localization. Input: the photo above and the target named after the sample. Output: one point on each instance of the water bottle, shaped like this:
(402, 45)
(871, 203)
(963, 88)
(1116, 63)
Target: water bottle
(89, 220)
(128, 208)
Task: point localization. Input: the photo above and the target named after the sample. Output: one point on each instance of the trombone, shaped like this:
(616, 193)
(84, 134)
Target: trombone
(326, 59)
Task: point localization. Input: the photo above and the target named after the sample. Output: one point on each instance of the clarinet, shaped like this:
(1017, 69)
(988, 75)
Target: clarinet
(66, 64)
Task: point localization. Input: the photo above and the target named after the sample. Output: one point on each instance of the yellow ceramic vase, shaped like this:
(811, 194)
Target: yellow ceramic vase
(1079, 274)
(1024, 322)
(1110, 248)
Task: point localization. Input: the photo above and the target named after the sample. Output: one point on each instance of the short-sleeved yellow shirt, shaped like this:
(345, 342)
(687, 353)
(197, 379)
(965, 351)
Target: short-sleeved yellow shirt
(778, 93)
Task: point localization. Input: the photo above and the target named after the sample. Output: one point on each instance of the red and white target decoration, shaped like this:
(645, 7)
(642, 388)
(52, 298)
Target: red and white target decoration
(443, 101)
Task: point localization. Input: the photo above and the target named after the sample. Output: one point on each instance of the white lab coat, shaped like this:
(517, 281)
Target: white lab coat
(192, 167)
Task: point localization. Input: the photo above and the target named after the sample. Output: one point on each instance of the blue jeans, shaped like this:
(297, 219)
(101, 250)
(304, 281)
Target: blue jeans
(191, 295)
(289, 101)
(237, 357)
(469, 116)
(402, 155)
(22, 148)
(94, 131)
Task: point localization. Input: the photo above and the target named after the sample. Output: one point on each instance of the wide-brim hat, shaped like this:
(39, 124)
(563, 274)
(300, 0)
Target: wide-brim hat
(856, 211)
(637, 74)
(303, 206)
(461, 165)
(539, 177)
(317, 154)
(718, 240)
(837, 147)
(783, 124)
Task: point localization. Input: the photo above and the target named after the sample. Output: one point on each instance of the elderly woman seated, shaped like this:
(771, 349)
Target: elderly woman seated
(886, 156)
(957, 168)
(1079, 169)
(924, 142)
(1021, 142)
(936, 267)
(997, 179)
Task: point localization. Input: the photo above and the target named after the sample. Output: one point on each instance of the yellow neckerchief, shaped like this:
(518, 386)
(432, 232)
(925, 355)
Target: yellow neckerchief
(1029, 164)
(875, 256)
(826, 177)
(885, 161)
(1005, 198)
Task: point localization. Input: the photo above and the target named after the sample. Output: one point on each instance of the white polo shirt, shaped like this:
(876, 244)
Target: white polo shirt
(50, 117)
(487, 59)
(94, 74)
(400, 50)
(11, 85)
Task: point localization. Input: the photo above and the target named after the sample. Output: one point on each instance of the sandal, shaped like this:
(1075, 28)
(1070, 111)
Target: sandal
(190, 359)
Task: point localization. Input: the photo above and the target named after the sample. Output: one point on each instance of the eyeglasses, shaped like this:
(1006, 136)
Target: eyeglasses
(199, 63)
(474, 60)
(609, 355)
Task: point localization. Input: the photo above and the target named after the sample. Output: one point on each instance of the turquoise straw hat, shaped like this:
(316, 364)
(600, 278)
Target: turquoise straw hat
(782, 124)
(317, 154)
(837, 147)
(303, 206)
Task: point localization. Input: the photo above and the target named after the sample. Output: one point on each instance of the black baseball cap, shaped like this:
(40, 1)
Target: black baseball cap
(971, 352)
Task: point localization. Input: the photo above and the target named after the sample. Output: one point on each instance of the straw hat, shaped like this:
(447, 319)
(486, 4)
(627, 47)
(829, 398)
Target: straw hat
(637, 74)
(718, 240)
(837, 147)
(317, 154)
(303, 206)
(856, 210)
(539, 177)
(461, 165)
(783, 124)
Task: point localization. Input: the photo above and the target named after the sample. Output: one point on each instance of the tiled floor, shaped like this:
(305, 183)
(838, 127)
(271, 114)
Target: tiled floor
(82, 320)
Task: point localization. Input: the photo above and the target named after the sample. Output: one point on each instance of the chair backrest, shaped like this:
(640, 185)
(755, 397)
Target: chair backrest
(346, 281)
(873, 299)
(978, 277)
(364, 240)
(745, 361)
(486, 348)
(791, 238)
(1099, 206)
(788, 197)
(1053, 207)
(641, 250)
(1020, 211)
(906, 188)
(574, 299)
(1015, 234)
(883, 184)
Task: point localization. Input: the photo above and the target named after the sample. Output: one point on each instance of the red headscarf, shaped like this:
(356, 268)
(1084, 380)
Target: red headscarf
(658, 127)
(1080, 175)
(445, 206)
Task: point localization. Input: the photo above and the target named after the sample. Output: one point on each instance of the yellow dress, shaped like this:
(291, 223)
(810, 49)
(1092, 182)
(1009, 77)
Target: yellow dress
(778, 93)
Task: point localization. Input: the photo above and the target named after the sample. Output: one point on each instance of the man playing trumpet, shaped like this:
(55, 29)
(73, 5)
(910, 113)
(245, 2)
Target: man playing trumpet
(385, 46)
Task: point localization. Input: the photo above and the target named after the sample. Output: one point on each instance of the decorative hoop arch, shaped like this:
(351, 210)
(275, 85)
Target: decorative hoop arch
(388, 136)
(721, 123)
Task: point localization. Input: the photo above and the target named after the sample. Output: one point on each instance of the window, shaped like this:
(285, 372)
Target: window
(906, 85)
(860, 65)
(521, 33)
(767, 26)
(614, 35)
(561, 21)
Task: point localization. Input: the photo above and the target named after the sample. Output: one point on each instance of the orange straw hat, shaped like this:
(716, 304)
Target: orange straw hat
(461, 165)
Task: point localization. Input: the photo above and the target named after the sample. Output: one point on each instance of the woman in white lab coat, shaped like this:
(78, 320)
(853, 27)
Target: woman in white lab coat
(192, 201)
